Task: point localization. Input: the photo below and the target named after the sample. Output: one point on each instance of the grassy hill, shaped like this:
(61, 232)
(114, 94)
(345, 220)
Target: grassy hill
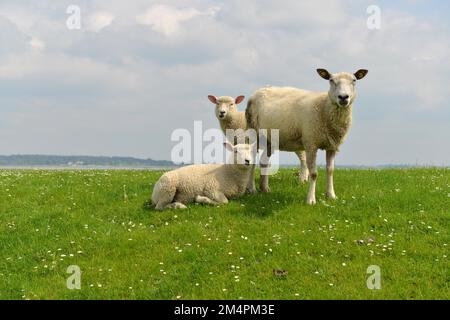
(270, 246)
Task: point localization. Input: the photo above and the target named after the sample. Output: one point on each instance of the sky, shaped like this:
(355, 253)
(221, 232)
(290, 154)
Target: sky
(137, 70)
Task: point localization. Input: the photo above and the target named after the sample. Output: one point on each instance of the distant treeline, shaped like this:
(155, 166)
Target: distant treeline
(49, 160)
(80, 161)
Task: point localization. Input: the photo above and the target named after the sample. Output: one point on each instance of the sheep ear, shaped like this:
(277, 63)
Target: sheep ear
(361, 73)
(228, 146)
(213, 99)
(239, 99)
(324, 74)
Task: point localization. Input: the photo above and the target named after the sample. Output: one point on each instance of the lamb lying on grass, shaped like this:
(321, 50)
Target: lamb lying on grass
(205, 183)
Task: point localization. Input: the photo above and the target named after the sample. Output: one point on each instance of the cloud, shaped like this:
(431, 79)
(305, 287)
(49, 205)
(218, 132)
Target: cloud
(286, 14)
(37, 45)
(99, 20)
(134, 73)
(167, 19)
(12, 38)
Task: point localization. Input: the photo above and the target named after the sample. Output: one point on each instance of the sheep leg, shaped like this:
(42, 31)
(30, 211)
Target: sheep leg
(175, 205)
(161, 206)
(264, 163)
(330, 169)
(204, 200)
(218, 198)
(303, 173)
(311, 156)
(164, 205)
(251, 188)
(164, 199)
(163, 195)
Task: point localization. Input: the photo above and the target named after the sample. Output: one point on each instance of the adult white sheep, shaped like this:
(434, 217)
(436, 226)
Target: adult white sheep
(205, 183)
(231, 118)
(307, 121)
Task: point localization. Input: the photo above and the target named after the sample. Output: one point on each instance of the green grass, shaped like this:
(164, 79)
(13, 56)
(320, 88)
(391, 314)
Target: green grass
(50, 220)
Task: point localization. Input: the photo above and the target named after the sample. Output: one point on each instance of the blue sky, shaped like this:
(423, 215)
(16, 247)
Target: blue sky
(137, 70)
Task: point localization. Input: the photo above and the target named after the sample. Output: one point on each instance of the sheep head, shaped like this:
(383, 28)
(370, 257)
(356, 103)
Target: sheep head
(242, 154)
(225, 105)
(342, 86)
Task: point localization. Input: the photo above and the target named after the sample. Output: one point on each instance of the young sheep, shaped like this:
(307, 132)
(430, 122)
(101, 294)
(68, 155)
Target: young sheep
(205, 183)
(227, 113)
(230, 118)
(307, 121)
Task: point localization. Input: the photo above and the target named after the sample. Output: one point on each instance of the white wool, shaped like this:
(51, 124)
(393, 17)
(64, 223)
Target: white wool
(235, 120)
(204, 183)
(307, 120)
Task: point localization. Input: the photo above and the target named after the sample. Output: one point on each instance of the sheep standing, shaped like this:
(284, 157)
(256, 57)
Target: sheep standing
(230, 118)
(227, 113)
(205, 183)
(307, 121)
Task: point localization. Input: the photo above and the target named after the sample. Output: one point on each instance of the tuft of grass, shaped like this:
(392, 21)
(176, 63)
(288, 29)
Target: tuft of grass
(396, 219)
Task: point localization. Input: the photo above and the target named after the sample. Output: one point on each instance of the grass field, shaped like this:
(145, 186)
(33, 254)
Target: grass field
(396, 219)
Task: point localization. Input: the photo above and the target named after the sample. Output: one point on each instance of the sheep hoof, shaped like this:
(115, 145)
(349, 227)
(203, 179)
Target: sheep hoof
(265, 189)
(311, 202)
(303, 179)
(176, 205)
(331, 196)
(302, 176)
(251, 190)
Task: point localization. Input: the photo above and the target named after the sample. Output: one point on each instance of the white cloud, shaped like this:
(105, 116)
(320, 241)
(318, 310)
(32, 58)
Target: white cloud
(167, 19)
(37, 45)
(99, 20)
(121, 90)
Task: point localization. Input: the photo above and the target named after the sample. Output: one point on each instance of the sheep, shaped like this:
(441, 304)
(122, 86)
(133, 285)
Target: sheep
(205, 183)
(230, 118)
(306, 121)
(227, 113)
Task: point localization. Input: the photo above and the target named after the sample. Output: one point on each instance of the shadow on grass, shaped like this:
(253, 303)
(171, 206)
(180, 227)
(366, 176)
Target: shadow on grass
(286, 191)
(148, 206)
(266, 204)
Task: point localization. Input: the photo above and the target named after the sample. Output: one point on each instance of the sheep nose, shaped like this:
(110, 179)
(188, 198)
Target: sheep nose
(343, 97)
(247, 162)
(222, 113)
